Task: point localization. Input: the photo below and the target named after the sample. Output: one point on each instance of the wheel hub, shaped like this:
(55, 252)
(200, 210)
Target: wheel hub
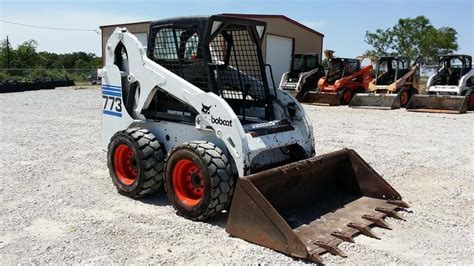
(195, 180)
(125, 165)
(188, 182)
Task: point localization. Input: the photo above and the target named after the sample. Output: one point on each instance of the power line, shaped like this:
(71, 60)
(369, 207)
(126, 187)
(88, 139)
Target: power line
(47, 28)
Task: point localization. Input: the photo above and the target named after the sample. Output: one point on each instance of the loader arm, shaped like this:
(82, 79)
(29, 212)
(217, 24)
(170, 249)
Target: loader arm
(305, 75)
(406, 79)
(152, 76)
(361, 77)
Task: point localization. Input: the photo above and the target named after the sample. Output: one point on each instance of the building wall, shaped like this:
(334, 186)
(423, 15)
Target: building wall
(305, 41)
(139, 27)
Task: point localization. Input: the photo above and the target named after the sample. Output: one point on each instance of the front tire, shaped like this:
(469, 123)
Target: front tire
(469, 94)
(404, 97)
(136, 162)
(345, 96)
(199, 180)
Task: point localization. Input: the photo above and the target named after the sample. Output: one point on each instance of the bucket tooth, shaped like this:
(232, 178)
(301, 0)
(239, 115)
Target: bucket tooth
(399, 203)
(314, 256)
(364, 230)
(331, 248)
(390, 213)
(343, 237)
(377, 221)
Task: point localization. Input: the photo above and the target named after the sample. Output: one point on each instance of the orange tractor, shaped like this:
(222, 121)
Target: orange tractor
(344, 78)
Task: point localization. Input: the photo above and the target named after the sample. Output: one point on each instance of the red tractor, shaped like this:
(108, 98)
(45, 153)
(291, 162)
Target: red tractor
(345, 77)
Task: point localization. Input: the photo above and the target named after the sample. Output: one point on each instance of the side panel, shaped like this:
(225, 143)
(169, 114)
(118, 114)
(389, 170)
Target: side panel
(114, 115)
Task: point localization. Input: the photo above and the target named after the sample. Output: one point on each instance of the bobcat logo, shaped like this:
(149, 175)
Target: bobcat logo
(205, 109)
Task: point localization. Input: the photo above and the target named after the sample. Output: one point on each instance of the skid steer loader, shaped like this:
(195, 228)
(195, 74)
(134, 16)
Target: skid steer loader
(344, 78)
(395, 83)
(305, 71)
(450, 90)
(195, 112)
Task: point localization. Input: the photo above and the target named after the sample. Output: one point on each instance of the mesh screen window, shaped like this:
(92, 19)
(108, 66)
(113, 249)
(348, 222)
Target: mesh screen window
(237, 67)
(178, 49)
(230, 66)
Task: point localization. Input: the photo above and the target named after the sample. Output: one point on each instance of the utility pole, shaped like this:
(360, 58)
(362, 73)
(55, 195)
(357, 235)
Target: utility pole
(8, 53)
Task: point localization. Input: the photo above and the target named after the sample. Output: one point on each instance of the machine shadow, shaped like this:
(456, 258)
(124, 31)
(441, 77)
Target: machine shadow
(160, 199)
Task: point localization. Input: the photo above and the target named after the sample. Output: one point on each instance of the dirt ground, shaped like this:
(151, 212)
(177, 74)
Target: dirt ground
(58, 204)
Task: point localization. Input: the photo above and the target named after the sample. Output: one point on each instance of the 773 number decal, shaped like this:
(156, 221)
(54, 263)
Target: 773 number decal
(112, 103)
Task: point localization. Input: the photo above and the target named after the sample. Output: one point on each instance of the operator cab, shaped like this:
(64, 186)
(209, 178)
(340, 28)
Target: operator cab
(302, 63)
(391, 68)
(341, 67)
(219, 54)
(451, 68)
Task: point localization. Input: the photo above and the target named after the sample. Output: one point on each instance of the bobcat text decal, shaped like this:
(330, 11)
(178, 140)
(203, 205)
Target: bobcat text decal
(215, 120)
(220, 121)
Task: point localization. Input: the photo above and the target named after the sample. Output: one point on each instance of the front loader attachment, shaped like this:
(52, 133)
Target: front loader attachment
(321, 98)
(309, 207)
(375, 101)
(438, 104)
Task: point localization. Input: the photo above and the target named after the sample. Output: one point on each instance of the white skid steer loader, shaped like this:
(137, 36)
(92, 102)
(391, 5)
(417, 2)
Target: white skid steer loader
(195, 112)
(305, 72)
(450, 89)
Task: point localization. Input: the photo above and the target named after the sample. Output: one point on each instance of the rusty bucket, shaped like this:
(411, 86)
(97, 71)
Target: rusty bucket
(375, 101)
(307, 208)
(438, 104)
(321, 98)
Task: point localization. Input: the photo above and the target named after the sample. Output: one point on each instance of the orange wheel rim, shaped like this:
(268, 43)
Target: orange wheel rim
(346, 96)
(125, 165)
(404, 97)
(188, 183)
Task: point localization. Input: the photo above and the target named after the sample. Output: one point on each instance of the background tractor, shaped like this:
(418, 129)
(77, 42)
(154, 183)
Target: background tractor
(344, 78)
(450, 89)
(396, 81)
(305, 71)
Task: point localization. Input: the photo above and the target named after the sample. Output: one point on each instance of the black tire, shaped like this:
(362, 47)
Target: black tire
(212, 186)
(310, 86)
(411, 92)
(404, 96)
(469, 94)
(147, 161)
(345, 96)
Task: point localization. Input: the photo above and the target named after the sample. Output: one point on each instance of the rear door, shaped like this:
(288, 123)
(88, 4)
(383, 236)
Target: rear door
(278, 55)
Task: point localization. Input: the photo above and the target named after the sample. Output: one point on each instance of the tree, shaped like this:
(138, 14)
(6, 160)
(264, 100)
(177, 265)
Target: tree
(28, 63)
(25, 55)
(412, 37)
(3, 54)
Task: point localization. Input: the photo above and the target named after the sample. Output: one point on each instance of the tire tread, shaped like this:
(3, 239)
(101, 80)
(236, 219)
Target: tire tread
(152, 156)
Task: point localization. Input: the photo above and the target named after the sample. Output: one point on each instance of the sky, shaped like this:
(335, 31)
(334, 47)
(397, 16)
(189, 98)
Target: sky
(343, 22)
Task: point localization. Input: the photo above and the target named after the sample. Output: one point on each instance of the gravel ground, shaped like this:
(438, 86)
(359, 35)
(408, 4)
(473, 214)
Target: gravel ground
(59, 205)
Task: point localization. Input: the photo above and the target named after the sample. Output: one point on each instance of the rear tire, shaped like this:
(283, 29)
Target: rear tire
(136, 162)
(199, 180)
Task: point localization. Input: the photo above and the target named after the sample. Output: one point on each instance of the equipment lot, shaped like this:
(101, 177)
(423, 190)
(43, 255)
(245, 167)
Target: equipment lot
(59, 205)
